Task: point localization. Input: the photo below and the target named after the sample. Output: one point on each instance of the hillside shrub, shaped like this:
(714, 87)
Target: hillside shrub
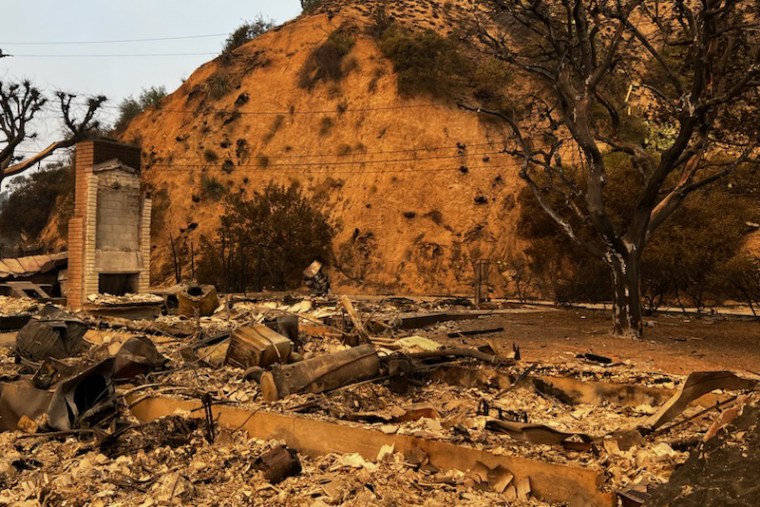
(325, 125)
(740, 277)
(309, 6)
(130, 107)
(425, 63)
(246, 32)
(217, 86)
(212, 188)
(265, 241)
(210, 155)
(262, 161)
(327, 62)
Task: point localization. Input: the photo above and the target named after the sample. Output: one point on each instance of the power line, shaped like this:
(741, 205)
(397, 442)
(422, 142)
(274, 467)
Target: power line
(328, 171)
(120, 55)
(293, 111)
(464, 153)
(115, 41)
(289, 112)
(345, 163)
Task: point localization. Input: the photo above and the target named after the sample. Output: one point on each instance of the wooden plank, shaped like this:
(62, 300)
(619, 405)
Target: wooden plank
(346, 302)
(425, 319)
(550, 482)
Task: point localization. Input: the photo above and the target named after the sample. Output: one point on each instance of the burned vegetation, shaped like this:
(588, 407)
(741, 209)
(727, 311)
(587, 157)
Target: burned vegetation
(280, 363)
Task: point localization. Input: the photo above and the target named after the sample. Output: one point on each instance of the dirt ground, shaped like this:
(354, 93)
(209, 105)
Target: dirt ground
(676, 344)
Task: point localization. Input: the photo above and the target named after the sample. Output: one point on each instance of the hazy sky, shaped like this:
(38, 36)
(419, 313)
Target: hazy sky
(54, 21)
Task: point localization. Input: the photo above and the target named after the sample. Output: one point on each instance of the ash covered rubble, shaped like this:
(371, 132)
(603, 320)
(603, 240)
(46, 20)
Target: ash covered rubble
(334, 401)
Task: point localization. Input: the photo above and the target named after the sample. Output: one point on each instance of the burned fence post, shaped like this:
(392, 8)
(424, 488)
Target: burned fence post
(482, 275)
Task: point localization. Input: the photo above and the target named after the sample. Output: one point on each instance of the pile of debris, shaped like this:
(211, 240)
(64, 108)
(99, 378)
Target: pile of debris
(327, 401)
(15, 312)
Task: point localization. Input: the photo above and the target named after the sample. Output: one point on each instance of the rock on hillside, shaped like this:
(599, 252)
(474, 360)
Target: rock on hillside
(417, 188)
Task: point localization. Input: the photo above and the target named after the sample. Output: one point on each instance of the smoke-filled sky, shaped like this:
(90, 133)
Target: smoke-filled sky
(41, 35)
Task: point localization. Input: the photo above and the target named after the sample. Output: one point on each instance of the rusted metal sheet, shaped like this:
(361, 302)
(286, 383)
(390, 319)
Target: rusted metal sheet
(80, 400)
(257, 346)
(137, 356)
(697, 385)
(200, 298)
(14, 267)
(596, 393)
(29, 264)
(54, 333)
(571, 485)
(540, 434)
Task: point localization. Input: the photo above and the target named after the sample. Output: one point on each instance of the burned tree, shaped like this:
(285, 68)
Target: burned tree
(669, 89)
(19, 105)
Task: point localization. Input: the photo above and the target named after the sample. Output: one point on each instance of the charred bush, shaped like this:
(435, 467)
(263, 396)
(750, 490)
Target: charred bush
(266, 241)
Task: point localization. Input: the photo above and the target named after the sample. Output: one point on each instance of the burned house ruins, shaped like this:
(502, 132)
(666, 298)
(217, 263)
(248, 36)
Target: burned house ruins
(109, 234)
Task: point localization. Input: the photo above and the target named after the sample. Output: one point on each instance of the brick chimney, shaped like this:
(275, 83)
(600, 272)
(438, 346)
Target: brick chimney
(109, 234)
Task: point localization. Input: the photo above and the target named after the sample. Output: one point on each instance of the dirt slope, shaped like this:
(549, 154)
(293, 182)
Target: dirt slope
(416, 187)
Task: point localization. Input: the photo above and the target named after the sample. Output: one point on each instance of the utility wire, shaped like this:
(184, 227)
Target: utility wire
(188, 161)
(285, 112)
(288, 112)
(464, 153)
(140, 55)
(327, 170)
(343, 163)
(115, 41)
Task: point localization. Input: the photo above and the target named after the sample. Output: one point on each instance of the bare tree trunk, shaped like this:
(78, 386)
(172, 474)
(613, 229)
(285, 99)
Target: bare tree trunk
(626, 285)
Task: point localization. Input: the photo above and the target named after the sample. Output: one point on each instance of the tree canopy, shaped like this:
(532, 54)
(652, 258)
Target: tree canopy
(672, 87)
(20, 103)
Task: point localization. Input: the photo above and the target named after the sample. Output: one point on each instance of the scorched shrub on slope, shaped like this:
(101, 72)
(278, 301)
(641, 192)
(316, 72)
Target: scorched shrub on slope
(266, 241)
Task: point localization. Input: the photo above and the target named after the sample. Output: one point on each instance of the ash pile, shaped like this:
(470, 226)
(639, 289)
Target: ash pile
(337, 401)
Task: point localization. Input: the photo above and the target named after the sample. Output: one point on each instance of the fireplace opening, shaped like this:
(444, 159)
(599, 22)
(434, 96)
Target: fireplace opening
(118, 284)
